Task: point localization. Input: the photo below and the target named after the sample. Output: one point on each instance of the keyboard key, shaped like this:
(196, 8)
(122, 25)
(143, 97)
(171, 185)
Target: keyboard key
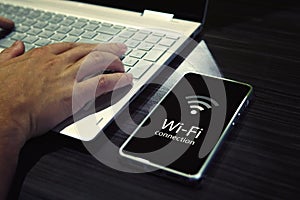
(79, 24)
(129, 61)
(58, 36)
(126, 34)
(140, 68)
(18, 36)
(70, 39)
(167, 42)
(108, 30)
(34, 31)
(40, 24)
(83, 20)
(139, 36)
(153, 39)
(29, 22)
(22, 29)
(132, 43)
(76, 32)
(154, 55)
(88, 35)
(51, 27)
(19, 19)
(42, 42)
(71, 18)
(119, 27)
(145, 32)
(137, 53)
(128, 51)
(30, 39)
(174, 37)
(84, 40)
(4, 43)
(145, 46)
(34, 14)
(103, 37)
(95, 22)
(91, 27)
(67, 22)
(118, 40)
(44, 17)
(56, 19)
(107, 24)
(46, 34)
(159, 34)
(64, 29)
(132, 29)
(28, 46)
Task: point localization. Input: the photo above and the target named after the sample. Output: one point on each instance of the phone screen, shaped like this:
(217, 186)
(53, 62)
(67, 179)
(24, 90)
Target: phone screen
(183, 130)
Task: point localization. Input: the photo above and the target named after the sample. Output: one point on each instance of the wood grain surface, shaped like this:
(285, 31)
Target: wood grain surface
(252, 41)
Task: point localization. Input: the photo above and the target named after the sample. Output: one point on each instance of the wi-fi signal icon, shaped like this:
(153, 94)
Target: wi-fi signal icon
(200, 103)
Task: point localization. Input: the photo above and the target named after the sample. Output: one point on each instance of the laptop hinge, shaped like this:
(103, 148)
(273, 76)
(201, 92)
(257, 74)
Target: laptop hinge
(157, 15)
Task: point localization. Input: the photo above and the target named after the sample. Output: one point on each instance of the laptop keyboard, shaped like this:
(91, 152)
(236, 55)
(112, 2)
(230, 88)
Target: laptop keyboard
(37, 28)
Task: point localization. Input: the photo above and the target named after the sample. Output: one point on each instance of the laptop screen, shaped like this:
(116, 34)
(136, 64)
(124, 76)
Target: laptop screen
(188, 10)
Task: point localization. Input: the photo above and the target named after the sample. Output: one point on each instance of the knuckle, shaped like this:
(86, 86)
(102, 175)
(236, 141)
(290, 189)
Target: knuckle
(69, 44)
(96, 56)
(52, 62)
(38, 51)
(103, 84)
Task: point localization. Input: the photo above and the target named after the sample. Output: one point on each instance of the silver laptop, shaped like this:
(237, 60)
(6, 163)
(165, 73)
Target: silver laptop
(154, 31)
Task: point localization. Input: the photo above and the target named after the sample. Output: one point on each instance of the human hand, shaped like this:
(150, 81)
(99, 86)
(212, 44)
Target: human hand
(6, 23)
(36, 87)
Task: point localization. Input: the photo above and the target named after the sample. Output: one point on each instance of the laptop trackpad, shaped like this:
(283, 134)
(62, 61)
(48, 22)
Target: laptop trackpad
(96, 105)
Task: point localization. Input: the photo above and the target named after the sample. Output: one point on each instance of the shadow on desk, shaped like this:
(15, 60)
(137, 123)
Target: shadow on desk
(34, 150)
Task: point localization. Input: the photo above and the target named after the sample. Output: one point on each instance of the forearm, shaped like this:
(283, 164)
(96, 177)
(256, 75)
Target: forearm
(10, 146)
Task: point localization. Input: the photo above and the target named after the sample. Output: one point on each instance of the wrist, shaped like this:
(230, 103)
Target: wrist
(12, 134)
(11, 141)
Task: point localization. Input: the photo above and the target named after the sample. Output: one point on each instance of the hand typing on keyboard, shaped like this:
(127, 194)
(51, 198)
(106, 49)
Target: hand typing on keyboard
(36, 89)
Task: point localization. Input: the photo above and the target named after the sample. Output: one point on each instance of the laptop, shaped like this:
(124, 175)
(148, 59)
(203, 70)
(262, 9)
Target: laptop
(155, 32)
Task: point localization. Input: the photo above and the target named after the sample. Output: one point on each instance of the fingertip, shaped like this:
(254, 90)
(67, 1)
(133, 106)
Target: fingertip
(6, 23)
(125, 80)
(129, 77)
(19, 44)
(122, 47)
(18, 48)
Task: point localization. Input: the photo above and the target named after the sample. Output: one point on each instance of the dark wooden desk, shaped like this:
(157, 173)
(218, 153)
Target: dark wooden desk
(252, 41)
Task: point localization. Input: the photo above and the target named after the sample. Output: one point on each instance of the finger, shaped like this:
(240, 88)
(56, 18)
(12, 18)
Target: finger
(6, 23)
(119, 49)
(96, 86)
(15, 50)
(98, 62)
(59, 48)
(82, 50)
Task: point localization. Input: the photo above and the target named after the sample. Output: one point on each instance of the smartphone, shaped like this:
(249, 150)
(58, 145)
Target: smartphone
(182, 133)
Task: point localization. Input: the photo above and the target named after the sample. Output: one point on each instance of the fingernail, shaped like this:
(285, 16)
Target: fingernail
(16, 43)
